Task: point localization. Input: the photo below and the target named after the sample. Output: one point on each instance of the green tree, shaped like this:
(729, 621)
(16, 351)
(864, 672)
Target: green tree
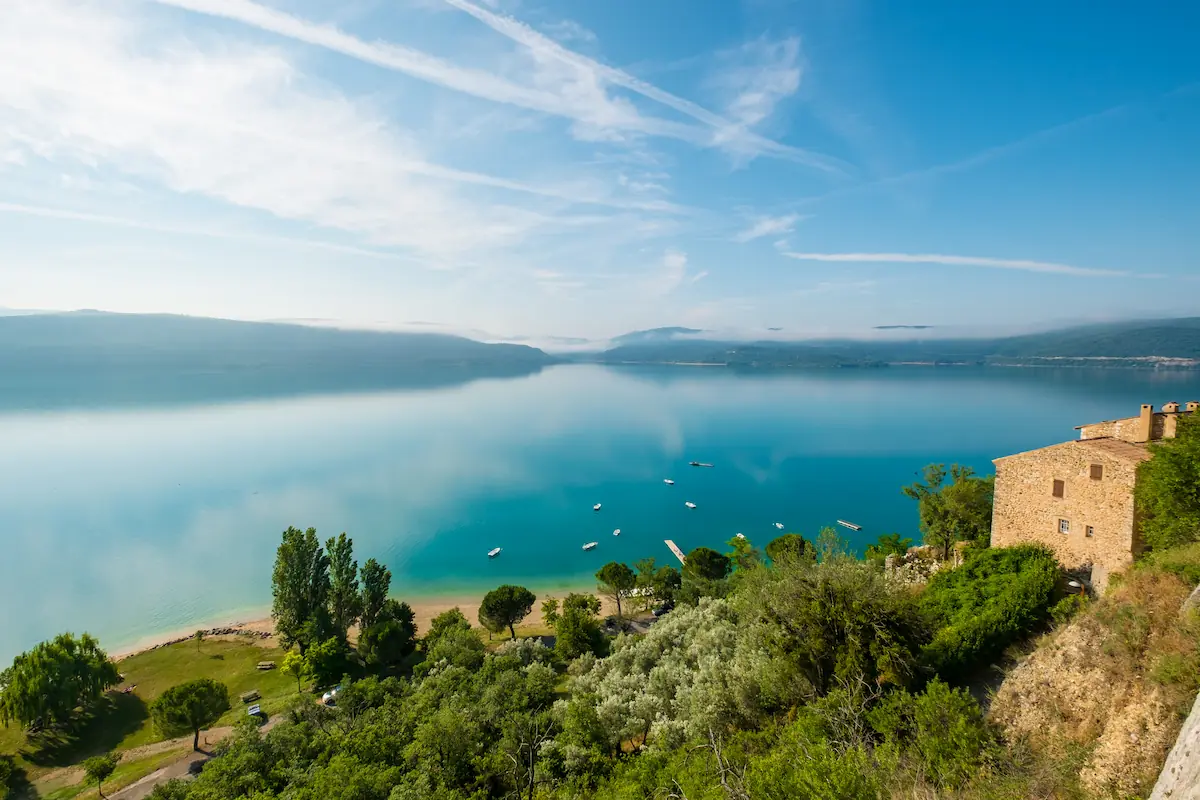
(327, 660)
(388, 642)
(706, 564)
(46, 684)
(100, 769)
(550, 611)
(958, 511)
(742, 554)
(190, 707)
(376, 581)
(576, 629)
(505, 606)
(617, 581)
(888, 544)
(656, 584)
(295, 665)
(345, 602)
(199, 637)
(1167, 492)
(704, 575)
(793, 546)
(300, 586)
(446, 623)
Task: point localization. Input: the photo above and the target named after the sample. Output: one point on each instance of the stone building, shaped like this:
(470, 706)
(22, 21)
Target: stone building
(1077, 497)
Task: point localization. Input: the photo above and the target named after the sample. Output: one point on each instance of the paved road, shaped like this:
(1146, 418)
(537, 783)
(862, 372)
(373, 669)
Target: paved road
(179, 768)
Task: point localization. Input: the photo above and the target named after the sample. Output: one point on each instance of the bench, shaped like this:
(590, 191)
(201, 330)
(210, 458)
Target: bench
(250, 696)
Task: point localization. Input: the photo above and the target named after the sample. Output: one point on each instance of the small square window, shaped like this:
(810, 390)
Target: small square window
(1064, 526)
(1089, 531)
(1097, 472)
(1059, 488)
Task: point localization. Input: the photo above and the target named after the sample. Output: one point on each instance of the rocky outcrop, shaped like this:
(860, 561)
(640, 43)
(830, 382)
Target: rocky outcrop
(214, 632)
(1180, 776)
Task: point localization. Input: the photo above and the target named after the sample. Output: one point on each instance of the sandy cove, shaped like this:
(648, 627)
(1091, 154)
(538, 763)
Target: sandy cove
(262, 629)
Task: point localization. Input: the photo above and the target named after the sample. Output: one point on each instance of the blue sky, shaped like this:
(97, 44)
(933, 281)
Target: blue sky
(585, 168)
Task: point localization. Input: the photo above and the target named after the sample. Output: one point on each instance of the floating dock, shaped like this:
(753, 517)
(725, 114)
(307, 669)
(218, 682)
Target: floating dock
(675, 549)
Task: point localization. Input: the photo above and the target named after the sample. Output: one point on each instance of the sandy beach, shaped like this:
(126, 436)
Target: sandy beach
(424, 609)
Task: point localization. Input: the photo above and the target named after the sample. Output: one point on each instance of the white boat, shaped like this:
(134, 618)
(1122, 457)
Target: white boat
(740, 536)
(690, 504)
(668, 482)
(495, 551)
(849, 525)
(596, 507)
(590, 546)
(779, 525)
(617, 532)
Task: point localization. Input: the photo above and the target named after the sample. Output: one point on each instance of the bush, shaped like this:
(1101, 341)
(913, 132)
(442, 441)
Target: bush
(1183, 562)
(985, 605)
(1062, 611)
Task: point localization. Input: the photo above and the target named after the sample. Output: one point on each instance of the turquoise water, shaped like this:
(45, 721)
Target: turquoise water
(134, 519)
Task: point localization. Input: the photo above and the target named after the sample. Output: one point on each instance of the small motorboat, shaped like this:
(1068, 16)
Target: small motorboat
(596, 507)
(779, 525)
(849, 525)
(698, 464)
(617, 532)
(668, 482)
(690, 504)
(740, 535)
(495, 551)
(590, 546)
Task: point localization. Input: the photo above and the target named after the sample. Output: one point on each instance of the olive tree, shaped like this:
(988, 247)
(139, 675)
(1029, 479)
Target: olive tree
(190, 707)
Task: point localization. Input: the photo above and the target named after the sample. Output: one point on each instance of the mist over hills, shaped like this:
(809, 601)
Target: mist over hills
(1168, 343)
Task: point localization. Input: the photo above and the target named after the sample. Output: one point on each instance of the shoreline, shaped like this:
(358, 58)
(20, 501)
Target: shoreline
(258, 621)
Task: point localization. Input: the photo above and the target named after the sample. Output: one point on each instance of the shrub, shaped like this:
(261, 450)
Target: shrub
(995, 598)
(1062, 611)
(1183, 562)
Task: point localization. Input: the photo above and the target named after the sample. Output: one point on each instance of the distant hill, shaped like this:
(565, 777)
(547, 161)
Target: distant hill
(654, 335)
(1173, 343)
(81, 357)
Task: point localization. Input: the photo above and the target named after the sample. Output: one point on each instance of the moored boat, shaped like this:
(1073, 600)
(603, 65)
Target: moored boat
(849, 525)
(596, 507)
(668, 482)
(779, 525)
(690, 504)
(617, 532)
(495, 551)
(590, 546)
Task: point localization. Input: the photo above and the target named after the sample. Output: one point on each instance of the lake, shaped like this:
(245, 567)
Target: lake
(134, 518)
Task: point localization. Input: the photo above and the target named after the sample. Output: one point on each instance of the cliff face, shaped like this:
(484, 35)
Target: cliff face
(1180, 778)
(1111, 687)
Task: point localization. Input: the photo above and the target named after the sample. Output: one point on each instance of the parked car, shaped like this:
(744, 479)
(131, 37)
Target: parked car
(662, 609)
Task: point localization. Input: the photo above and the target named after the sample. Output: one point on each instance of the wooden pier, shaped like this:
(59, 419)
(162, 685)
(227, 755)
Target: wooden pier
(675, 549)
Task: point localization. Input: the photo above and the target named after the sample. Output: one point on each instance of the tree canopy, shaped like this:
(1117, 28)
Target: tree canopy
(1167, 492)
(376, 581)
(190, 708)
(100, 768)
(791, 546)
(617, 580)
(48, 683)
(300, 588)
(505, 606)
(958, 511)
(345, 602)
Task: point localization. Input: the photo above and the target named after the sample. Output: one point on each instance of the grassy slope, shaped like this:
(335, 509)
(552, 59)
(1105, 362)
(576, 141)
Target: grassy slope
(122, 721)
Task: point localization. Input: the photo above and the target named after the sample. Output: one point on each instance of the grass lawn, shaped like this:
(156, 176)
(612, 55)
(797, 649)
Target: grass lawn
(122, 721)
(127, 772)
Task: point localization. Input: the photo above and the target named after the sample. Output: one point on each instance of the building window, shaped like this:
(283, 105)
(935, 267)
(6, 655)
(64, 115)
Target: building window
(1089, 531)
(1097, 472)
(1059, 488)
(1064, 526)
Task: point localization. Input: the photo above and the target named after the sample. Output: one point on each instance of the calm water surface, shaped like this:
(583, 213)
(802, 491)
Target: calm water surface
(132, 520)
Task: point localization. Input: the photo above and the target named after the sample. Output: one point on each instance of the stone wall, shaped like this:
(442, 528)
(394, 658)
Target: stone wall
(1026, 510)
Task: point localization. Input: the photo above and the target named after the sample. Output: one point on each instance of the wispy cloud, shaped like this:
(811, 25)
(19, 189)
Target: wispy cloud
(724, 132)
(957, 261)
(185, 230)
(669, 276)
(768, 226)
(569, 31)
(826, 287)
(757, 76)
